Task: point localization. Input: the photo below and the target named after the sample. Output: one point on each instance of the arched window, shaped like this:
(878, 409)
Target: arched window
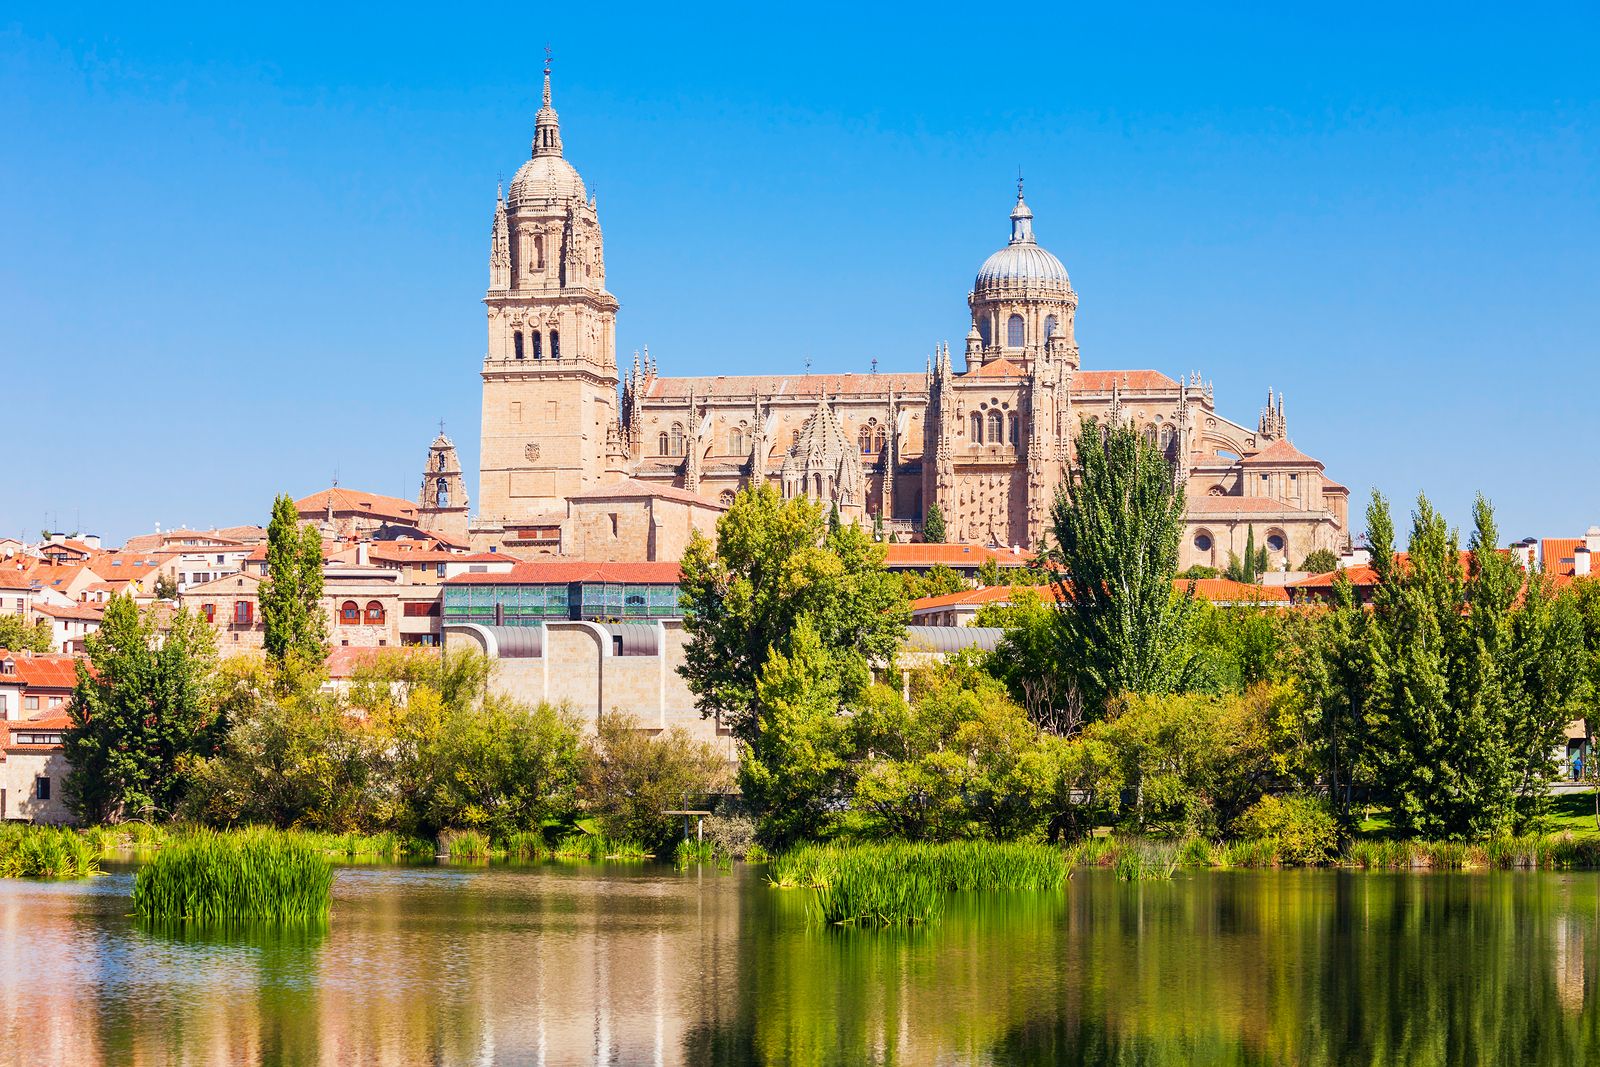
(555, 344)
(1149, 434)
(879, 440)
(1015, 334)
(816, 485)
(1167, 437)
(441, 461)
(1276, 540)
(725, 498)
(977, 427)
(983, 329)
(661, 444)
(516, 343)
(1049, 327)
(865, 440)
(374, 612)
(538, 250)
(349, 613)
(677, 436)
(1203, 542)
(736, 445)
(441, 494)
(538, 348)
(997, 429)
(1011, 429)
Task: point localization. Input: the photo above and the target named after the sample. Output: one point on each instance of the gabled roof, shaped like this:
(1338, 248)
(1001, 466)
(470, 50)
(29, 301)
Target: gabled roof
(226, 582)
(1238, 505)
(997, 368)
(1279, 452)
(81, 612)
(38, 670)
(1133, 381)
(562, 571)
(357, 502)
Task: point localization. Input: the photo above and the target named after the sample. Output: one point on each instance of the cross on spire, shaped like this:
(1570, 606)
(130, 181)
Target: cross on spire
(441, 427)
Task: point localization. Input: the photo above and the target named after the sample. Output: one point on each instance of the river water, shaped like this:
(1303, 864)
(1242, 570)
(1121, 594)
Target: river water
(555, 964)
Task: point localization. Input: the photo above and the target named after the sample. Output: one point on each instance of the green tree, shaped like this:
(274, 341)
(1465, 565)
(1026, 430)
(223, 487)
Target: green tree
(933, 526)
(166, 587)
(935, 581)
(1254, 564)
(773, 564)
(1116, 534)
(291, 595)
(1320, 561)
(1466, 690)
(989, 574)
(631, 777)
(18, 635)
(141, 714)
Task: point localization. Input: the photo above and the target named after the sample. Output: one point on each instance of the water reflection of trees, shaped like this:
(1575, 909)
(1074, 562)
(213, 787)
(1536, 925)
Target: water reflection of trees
(1216, 968)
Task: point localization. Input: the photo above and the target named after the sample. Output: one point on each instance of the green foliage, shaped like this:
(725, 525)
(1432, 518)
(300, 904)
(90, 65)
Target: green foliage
(1320, 561)
(1254, 564)
(1241, 645)
(465, 845)
(1303, 828)
(291, 596)
(989, 574)
(962, 761)
(18, 635)
(166, 587)
(1116, 534)
(935, 581)
(208, 877)
(1199, 571)
(29, 851)
(141, 714)
(630, 778)
(933, 526)
(774, 564)
(1462, 692)
(954, 866)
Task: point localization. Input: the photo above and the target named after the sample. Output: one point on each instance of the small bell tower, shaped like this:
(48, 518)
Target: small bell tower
(442, 501)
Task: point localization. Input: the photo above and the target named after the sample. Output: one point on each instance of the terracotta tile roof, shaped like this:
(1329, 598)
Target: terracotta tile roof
(84, 612)
(956, 555)
(1135, 381)
(1556, 553)
(1279, 452)
(1238, 505)
(975, 598)
(52, 719)
(56, 576)
(786, 385)
(633, 488)
(562, 571)
(357, 502)
(40, 670)
(997, 368)
(344, 660)
(1227, 591)
(1363, 574)
(10, 578)
(120, 565)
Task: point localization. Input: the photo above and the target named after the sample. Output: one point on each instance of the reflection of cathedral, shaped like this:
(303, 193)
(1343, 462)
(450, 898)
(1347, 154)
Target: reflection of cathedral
(988, 442)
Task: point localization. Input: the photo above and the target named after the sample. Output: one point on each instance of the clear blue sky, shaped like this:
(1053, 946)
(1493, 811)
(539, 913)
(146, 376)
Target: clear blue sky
(241, 248)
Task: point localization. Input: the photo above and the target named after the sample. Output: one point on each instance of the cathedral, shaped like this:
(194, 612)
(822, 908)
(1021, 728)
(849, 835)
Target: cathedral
(587, 458)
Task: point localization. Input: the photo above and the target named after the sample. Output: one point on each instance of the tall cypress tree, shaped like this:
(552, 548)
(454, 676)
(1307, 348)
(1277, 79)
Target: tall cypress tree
(291, 595)
(1122, 627)
(933, 526)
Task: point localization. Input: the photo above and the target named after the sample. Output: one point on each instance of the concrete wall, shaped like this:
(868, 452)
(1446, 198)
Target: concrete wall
(17, 776)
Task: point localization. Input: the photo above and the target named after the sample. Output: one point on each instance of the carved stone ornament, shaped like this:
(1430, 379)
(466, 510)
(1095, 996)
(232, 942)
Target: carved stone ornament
(532, 451)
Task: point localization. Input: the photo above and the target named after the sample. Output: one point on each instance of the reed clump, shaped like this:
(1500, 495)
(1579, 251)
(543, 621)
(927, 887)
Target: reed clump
(525, 845)
(28, 851)
(898, 883)
(597, 847)
(207, 877)
(465, 845)
(692, 852)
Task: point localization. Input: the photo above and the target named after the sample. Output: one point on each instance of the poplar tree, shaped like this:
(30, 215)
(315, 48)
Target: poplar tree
(1116, 531)
(291, 595)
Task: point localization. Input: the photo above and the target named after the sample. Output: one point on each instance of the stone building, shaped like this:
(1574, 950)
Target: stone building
(986, 435)
(442, 500)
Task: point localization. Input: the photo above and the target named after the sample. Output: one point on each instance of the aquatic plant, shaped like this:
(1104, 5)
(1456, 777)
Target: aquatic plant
(899, 882)
(28, 851)
(689, 852)
(525, 845)
(464, 845)
(595, 847)
(206, 877)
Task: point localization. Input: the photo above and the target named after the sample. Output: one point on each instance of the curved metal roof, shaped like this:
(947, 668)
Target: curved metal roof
(518, 642)
(952, 638)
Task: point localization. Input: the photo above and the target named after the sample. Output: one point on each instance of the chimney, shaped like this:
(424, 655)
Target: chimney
(361, 553)
(92, 541)
(58, 538)
(1580, 562)
(1591, 539)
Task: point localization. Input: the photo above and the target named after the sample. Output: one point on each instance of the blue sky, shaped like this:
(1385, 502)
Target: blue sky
(239, 252)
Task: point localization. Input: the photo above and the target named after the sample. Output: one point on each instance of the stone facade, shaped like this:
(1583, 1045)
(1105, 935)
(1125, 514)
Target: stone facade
(989, 441)
(442, 501)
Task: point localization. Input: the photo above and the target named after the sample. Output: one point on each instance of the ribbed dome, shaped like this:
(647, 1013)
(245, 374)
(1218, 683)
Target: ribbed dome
(547, 177)
(1022, 262)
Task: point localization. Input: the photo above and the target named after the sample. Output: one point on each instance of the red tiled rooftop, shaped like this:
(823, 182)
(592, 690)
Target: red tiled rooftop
(40, 670)
(951, 555)
(1279, 452)
(359, 502)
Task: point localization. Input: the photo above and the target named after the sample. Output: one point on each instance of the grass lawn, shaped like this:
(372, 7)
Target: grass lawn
(1569, 812)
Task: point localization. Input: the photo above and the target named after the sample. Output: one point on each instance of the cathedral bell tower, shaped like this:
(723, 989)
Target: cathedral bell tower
(442, 501)
(550, 372)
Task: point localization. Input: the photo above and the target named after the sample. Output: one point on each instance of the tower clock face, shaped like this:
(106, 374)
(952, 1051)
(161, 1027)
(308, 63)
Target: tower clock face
(532, 451)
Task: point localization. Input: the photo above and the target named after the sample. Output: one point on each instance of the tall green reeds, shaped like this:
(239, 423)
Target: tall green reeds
(902, 883)
(210, 877)
(28, 851)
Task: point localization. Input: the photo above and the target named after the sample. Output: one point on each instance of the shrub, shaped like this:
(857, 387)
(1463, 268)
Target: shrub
(258, 874)
(630, 778)
(1302, 827)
